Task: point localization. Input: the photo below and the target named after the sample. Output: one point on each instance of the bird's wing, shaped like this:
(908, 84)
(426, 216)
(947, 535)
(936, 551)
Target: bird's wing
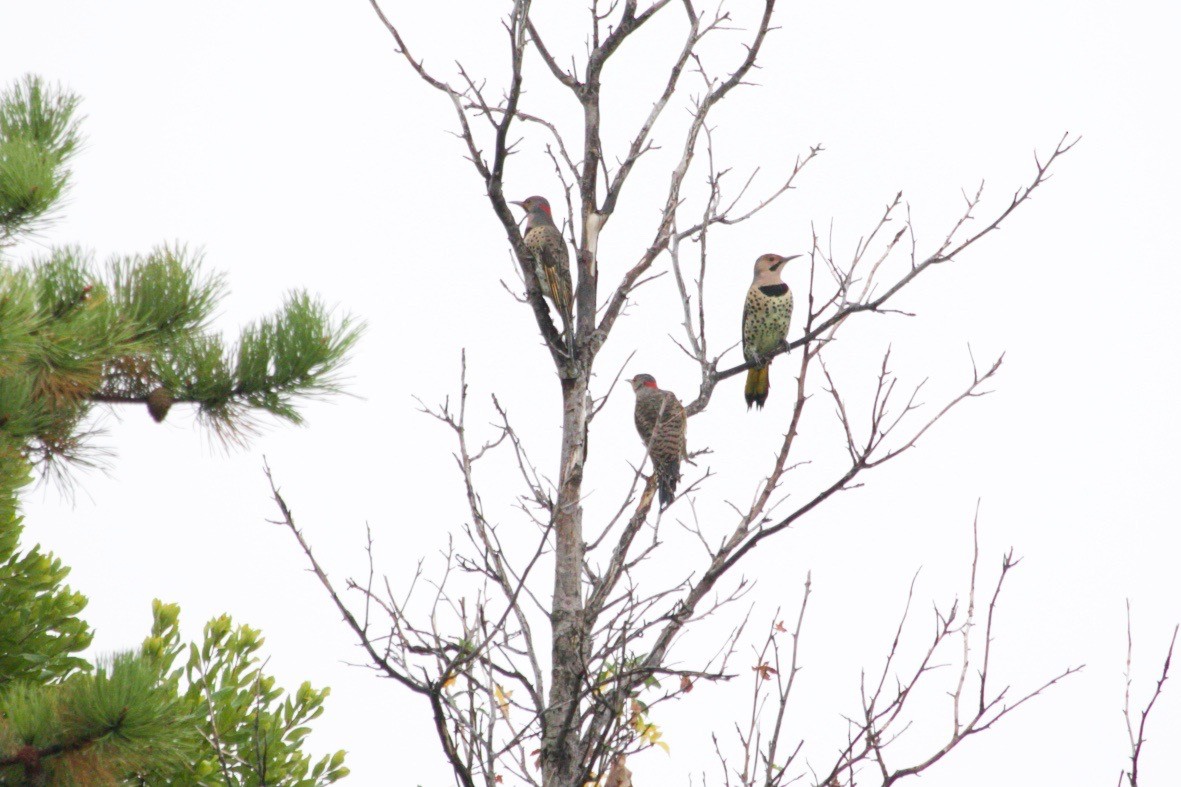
(672, 413)
(645, 420)
(559, 287)
(556, 264)
(681, 422)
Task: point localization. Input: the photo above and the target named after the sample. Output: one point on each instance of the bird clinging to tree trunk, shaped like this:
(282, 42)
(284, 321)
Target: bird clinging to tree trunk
(764, 324)
(660, 420)
(544, 241)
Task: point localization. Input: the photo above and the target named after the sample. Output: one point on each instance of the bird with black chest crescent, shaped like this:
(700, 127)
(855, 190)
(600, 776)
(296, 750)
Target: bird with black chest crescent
(765, 320)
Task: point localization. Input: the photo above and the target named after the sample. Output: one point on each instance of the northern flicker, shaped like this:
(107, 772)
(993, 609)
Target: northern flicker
(764, 324)
(660, 420)
(544, 241)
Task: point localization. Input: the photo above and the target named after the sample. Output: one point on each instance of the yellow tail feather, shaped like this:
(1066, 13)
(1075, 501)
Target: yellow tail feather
(758, 384)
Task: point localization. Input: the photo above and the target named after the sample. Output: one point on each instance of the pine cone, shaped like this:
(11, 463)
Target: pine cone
(159, 403)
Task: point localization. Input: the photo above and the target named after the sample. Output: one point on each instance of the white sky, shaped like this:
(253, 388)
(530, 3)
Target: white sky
(289, 142)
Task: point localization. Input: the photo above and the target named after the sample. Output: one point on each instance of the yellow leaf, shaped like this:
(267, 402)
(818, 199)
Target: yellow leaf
(502, 699)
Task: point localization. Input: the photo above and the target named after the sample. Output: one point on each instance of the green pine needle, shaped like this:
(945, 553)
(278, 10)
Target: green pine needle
(38, 135)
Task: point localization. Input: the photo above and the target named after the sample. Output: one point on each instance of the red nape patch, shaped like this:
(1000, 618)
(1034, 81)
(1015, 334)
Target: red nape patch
(545, 206)
(650, 384)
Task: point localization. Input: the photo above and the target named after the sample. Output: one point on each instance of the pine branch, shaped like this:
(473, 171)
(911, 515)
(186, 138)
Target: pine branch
(38, 136)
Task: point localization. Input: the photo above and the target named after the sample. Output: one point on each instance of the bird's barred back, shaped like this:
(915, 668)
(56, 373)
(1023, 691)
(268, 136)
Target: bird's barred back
(660, 418)
(660, 421)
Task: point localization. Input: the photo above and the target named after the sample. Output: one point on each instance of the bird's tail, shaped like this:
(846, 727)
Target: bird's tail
(667, 476)
(758, 385)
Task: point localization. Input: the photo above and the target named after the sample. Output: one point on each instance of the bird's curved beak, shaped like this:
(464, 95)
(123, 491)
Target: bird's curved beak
(518, 204)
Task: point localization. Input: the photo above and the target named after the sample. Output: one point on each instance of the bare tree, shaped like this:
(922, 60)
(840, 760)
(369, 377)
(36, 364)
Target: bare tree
(563, 705)
(1137, 727)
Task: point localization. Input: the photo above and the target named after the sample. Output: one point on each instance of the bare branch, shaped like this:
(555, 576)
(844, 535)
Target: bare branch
(1136, 739)
(943, 255)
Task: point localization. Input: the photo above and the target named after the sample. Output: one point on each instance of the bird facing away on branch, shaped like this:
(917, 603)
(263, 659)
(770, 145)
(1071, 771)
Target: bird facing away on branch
(660, 420)
(544, 241)
(764, 324)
